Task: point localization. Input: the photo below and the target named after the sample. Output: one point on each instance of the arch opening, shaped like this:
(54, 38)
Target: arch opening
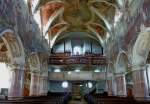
(140, 53)
(11, 58)
(122, 63)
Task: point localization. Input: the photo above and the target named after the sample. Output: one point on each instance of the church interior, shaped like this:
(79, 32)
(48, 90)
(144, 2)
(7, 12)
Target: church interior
(74, 52)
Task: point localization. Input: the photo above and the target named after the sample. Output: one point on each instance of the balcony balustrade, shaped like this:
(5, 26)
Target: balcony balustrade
(83, 75)
(67, 58)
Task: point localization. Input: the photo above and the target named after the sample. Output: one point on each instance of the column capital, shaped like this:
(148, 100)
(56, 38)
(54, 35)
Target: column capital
(138, 67)
(44, 72)
(43, 77)
(35, 71)
(119, 74)
(17, 67)
(109, 76)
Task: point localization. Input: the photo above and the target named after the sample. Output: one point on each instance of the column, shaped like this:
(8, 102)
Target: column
(43, 85)
(120, 84)
(110, 84)
(16, 89)
(140, 87)
(34, 85)
(110, 87)
(114, 93)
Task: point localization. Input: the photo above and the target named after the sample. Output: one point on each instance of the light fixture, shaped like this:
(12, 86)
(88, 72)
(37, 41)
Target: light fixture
(90, 85)
(65, 84)
(57, 70)
(96, 70)
(77, 70)
(81, 85)
(69, 72)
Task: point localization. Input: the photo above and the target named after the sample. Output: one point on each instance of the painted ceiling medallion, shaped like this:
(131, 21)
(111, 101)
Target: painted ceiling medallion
(77, 13)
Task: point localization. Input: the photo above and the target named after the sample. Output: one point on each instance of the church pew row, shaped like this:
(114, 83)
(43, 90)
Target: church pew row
(30, 102)
(53, 98)
(98, 99)
(48, 101)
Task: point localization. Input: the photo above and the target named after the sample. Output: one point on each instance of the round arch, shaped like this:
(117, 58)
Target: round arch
(14, 45)
(14, 51)
(141, 48)
(34, 62)
(64, 33)
(39, 73)
(110, 68)
(122, 63)
(140, 53)
(38, 62)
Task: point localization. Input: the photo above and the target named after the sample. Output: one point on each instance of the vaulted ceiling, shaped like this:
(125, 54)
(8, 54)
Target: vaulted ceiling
(94, 17)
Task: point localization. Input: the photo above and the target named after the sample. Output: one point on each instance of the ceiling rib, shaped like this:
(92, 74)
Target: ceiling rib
(108, 25)
(51, 19)
(56, 36)
(97, 34)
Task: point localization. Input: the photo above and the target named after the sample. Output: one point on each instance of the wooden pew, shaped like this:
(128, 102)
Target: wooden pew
(99, 99)
(52, 98)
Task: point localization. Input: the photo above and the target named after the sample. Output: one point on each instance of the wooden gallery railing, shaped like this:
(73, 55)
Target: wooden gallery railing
(89, 59)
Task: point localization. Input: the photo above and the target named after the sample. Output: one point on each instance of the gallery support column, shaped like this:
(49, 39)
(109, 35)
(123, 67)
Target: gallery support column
(16, 82)
(110, 87)
(120, 85)
(110, 83)
(34, 85)
(140, 87)
(43, 86)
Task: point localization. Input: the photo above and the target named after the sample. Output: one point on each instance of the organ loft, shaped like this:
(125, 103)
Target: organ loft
(74, 52)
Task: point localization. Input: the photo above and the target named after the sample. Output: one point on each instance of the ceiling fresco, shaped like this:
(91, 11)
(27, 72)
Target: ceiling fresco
(92, 16)
(49, 10)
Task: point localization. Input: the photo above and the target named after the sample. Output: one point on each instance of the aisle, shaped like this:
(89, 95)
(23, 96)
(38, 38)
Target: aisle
(77, 102)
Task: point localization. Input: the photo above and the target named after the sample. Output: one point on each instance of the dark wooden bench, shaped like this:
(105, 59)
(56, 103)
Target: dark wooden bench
(52, 98)
(99, 99)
